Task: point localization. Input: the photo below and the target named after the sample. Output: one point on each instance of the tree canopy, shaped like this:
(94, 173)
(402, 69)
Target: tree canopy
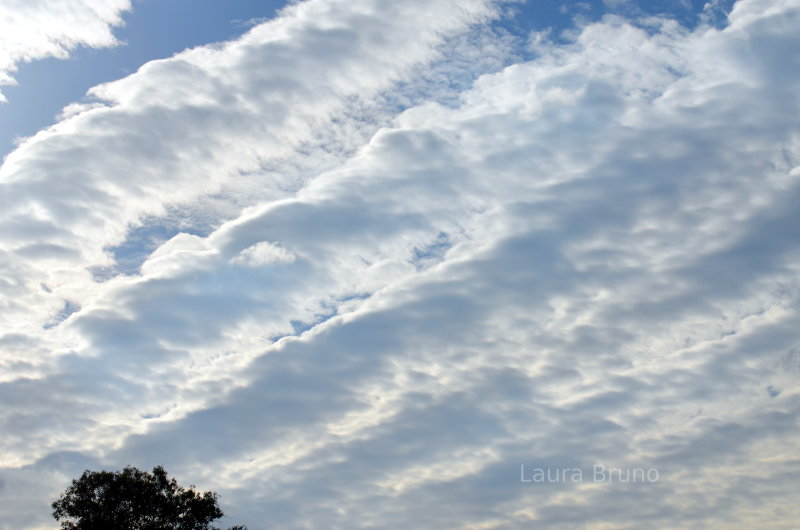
(135, 500)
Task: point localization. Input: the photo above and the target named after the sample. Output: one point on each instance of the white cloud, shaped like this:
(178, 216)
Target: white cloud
(35, 29)
(210, 130)
(263, 253)
(591, 259)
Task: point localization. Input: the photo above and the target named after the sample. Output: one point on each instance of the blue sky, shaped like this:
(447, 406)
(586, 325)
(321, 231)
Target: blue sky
(372, 264)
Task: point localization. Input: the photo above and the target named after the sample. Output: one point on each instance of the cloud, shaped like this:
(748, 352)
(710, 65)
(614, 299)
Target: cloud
(263, 253)
(590, 259)
(212, 130)
(31, 30)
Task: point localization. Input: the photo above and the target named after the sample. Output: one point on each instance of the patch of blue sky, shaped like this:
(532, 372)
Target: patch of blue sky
(68, 309)
(331, 310)
(432, 253)
(301, 326)
(559, 17)
(138, 245)
(154, 29)
(143, 239)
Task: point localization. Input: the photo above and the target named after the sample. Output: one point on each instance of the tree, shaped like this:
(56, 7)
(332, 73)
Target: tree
(134, 500)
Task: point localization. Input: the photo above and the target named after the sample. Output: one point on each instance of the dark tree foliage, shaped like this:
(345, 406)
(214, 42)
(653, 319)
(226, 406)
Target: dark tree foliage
(135, 500)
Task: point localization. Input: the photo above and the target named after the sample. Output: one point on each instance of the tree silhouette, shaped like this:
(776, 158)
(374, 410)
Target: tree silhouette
(135, 500)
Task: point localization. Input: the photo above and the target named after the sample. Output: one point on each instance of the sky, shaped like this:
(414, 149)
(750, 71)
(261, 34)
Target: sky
(469, 264)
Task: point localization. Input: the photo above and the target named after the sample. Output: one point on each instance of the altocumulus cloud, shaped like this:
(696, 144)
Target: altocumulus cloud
(35, 29)
(368, 313)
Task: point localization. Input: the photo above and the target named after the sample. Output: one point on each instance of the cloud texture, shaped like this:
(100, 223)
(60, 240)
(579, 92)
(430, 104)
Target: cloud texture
(35, 29)
(323, 272)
